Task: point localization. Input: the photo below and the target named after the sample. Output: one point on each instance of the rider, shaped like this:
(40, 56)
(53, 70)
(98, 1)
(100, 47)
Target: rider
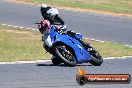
(51, 17)
(46, 27)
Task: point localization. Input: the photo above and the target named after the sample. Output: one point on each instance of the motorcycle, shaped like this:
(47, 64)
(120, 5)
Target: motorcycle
(69, 50)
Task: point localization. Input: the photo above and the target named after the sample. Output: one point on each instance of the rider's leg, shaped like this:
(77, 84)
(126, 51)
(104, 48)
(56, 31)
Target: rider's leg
(48, 41)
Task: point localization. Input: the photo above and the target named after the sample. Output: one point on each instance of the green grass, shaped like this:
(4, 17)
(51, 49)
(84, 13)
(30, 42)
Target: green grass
(116, 6)
(18, 44)
(111, 49)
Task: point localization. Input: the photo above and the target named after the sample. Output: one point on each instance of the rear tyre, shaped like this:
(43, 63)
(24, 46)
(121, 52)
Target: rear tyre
(55, 61)
(96, 59)
(65, 54)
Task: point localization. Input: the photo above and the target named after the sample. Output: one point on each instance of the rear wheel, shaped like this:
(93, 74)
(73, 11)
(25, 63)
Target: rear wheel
(65, 54)
(96, 59)
(55, 60)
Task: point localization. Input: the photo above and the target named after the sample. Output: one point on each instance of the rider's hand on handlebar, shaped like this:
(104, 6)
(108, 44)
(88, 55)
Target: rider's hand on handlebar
(61, 27)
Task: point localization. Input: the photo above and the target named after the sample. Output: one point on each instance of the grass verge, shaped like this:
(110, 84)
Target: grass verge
(116, 6)
(17, 44)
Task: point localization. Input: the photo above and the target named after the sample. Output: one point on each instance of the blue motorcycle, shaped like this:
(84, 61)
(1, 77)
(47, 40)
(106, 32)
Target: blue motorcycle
(69, 50)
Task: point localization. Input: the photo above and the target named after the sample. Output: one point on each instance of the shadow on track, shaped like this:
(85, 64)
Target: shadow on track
(62, 65)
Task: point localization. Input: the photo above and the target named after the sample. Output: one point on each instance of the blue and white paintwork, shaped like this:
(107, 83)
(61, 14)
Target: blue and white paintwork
(80, 52)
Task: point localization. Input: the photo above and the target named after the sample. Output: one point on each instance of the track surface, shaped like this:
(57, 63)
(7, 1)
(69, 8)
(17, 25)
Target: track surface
(102, 27)
(45, 75)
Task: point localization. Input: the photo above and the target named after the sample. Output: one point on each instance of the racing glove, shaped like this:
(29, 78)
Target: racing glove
(61, 27)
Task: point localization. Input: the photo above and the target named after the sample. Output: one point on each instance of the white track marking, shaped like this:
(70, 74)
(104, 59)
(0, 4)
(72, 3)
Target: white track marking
(124, 57)
(45, 61)
(106, 42)
(3, 24)
(25, 62)
(128, 46)
(21, 27)
(15, 26)
(28, 28)
(96, 40)
(10, 25)
(34, 29)
(18, 27)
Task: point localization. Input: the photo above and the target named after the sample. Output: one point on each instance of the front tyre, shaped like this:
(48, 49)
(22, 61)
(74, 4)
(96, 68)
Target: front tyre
(96, 59)
(65, 54)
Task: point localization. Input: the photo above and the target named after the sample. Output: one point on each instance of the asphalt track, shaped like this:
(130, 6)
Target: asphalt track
(97, 26)
(46, 75)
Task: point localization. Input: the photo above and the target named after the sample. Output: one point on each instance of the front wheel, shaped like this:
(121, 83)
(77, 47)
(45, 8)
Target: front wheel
(65, 54)
(96, 59)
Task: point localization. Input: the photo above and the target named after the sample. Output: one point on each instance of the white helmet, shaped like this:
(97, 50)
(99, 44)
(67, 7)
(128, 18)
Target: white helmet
(53, 12)
(44, 6)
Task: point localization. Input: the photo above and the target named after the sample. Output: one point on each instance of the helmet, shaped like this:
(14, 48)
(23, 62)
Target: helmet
(52, 12)
(45, 25)
(44, 6)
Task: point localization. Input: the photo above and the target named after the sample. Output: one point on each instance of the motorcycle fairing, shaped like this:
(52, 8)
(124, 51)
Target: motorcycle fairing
(81, 53)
